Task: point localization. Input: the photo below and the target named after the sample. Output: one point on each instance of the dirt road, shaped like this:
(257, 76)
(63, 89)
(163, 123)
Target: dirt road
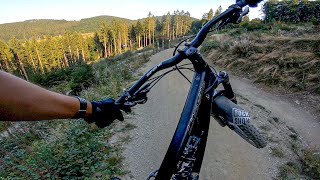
(227, 155)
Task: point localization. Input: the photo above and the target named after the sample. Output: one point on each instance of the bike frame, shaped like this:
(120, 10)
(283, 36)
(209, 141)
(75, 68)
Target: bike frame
(195, 117)
(194, 121)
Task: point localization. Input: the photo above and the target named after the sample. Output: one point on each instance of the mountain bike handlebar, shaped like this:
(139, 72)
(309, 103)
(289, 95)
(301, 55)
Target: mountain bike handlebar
(191, 133)
(231, 15)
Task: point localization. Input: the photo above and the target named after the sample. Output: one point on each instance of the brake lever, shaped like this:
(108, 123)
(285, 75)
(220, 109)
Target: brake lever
(140, 97)
(245, 12)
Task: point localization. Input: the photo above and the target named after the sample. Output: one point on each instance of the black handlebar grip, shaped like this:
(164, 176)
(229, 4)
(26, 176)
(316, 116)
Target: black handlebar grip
(251, 3)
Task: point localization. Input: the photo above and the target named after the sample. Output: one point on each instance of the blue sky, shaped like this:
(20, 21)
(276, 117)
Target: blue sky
(20, 10)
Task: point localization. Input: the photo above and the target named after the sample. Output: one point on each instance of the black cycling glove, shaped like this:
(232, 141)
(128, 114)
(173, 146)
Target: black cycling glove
(104, 113)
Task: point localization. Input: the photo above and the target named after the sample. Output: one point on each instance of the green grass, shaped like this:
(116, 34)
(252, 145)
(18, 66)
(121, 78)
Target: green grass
(275, 119)
(73, 149)
(125, 139)
(265, 128)
(290, 170)
(306, 167)
(277, 152)
(4, 125)
(207, 46)
(260, 107)
(126, 127)
(272, 139)
(311, 159)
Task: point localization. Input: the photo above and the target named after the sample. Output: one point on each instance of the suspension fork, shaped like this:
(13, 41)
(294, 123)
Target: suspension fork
(223, 78)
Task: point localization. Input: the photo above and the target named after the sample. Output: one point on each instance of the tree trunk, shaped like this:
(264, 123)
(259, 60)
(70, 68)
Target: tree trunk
(109, 50)
(22, 67)
(149, 34)
(119, 37)
(125, 42)
(145, 39)
(139, 40)
(180, 30)
(105, 49)
(115, 45)
(163, 43)
(78, 54)
(83, 56)
(177, 29)
(39, 59)
(130, 45)
(65, 60)
(82, 51)
(7, 65)
(168, 29)
(172, 37)
(71, 57)
(153, 29)
(32, 61)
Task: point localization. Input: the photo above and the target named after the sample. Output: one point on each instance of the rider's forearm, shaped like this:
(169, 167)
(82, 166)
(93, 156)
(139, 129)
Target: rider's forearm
(24, 101)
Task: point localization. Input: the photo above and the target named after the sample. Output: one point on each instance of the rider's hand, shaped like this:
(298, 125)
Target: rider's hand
(104, 113)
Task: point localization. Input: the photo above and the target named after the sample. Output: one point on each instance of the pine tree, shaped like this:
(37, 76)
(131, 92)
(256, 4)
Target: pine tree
(218, 11)
(30, 54)
(16, 50)
(139, 28)
(204, 19)
(35, 44)
(6, 57)
(133, 35)
(103, 37)
(167, 25)
(210, 14)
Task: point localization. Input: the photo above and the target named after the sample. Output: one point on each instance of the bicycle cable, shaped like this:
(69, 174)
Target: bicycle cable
(156, 79)
(222, 23)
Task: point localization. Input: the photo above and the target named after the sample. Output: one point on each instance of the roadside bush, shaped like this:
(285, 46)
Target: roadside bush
(312, 163)
(283, 27)
(81, 78)
(76, 151)
(236, 32)
(76, 78)
(53, 77)
(207, 46)
(122, 56)
(315, 21)
(63, 149)
(253, 26)
(244, 47)
(289, 170)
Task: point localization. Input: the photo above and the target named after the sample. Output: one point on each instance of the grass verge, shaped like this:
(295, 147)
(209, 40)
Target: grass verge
(64, 149)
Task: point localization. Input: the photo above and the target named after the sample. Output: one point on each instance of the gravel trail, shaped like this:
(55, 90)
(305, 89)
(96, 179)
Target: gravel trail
(227, 155)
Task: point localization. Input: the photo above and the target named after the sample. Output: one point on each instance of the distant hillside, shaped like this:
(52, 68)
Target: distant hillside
(53, 27)
(92, 24)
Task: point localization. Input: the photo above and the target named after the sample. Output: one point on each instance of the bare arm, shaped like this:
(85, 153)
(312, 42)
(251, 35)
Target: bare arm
(24, 101)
